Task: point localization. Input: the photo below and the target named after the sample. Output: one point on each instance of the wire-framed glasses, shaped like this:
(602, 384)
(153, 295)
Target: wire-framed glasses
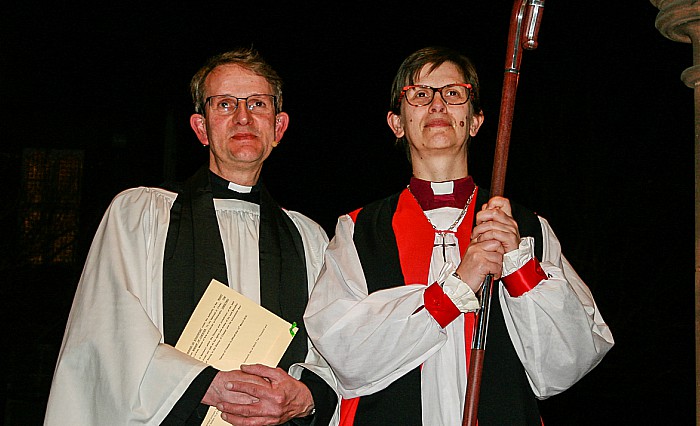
(452, 94)
(257, 104)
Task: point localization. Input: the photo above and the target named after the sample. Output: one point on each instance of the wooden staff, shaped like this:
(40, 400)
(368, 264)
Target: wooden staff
(530, 12)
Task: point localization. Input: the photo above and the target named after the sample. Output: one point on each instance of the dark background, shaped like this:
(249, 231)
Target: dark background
(602, 146)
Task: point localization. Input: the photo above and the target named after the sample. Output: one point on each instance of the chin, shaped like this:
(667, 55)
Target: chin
(247, 155)
(443, 143)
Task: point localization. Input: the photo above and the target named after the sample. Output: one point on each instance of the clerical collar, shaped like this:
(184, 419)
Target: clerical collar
(433, 195)
(221, 188)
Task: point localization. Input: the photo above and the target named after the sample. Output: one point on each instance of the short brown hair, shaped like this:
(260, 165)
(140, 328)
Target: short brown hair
(247, 58)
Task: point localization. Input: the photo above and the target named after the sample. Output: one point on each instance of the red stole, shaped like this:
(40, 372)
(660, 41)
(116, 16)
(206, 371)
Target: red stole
(415, 238)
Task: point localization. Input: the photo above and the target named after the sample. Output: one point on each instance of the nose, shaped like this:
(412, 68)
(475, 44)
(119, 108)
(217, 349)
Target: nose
(242, 114)
(438, 103)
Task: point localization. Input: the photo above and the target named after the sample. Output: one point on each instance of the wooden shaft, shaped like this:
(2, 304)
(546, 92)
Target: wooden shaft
(471, 403)
(505, 124)
(517, 40)
(476, 360)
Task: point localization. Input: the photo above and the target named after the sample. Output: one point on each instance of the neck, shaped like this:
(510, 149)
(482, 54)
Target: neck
(247, 176)
(439, 169)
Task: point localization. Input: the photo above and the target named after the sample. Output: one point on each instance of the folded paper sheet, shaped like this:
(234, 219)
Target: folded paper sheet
(227, 330)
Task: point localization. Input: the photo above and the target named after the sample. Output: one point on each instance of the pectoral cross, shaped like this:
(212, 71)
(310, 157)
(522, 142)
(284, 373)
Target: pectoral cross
(444, 245)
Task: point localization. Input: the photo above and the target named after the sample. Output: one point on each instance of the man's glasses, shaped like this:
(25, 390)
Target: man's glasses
(452, 94)
(256, 104)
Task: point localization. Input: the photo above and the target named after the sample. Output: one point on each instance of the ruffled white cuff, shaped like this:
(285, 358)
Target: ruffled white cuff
(514, 260)
(457, 290)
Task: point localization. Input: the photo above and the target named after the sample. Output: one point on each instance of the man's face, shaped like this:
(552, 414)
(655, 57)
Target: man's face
(241, 141)
(437, 128)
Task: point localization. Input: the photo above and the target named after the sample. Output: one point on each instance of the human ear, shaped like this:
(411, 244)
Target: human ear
(394, 121)
(281, 123)
(199, 125)
(476, 121)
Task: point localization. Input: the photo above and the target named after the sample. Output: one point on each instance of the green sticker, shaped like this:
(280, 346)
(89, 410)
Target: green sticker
(293, 329)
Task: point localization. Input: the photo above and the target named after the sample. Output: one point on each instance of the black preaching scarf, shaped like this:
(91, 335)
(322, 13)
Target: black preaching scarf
(505, 395)
(194, 254)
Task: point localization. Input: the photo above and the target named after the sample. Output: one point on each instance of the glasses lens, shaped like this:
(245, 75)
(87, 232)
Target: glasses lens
(455, 94)
(223, 104)
(261, 104)
(419, 95)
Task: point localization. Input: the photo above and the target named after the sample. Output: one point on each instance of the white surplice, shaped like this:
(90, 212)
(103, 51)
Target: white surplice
(372, 340)
(113, 367)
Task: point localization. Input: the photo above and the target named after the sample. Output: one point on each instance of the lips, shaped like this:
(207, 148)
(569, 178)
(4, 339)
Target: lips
(438, 122)
(243, 136)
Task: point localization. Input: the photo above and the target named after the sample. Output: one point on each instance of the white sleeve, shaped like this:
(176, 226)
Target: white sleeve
(556, 328)
(113, 367)
(352, 329)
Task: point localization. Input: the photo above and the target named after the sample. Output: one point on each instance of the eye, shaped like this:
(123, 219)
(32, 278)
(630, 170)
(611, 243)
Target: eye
(257, 102)
(421, 93)
(226, 104)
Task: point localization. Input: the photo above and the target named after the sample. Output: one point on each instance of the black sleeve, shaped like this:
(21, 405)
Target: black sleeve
(325, 401)
(189, 410)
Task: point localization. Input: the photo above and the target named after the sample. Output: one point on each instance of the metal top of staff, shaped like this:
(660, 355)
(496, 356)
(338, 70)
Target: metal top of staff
(533, 9)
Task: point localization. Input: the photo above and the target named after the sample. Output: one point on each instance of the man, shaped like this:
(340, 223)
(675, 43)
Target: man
(393, 309)
(156, 251)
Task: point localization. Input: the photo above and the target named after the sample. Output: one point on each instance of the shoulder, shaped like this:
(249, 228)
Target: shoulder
(139, 204)
(523, 214)
(143, 195)
(306, 226)
(313, 238)
(136, 215)
(385, 205)
(520, 212)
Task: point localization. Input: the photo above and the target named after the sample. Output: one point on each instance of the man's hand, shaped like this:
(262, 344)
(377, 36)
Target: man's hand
(274, 398)
(218, 392)
(495, 234)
